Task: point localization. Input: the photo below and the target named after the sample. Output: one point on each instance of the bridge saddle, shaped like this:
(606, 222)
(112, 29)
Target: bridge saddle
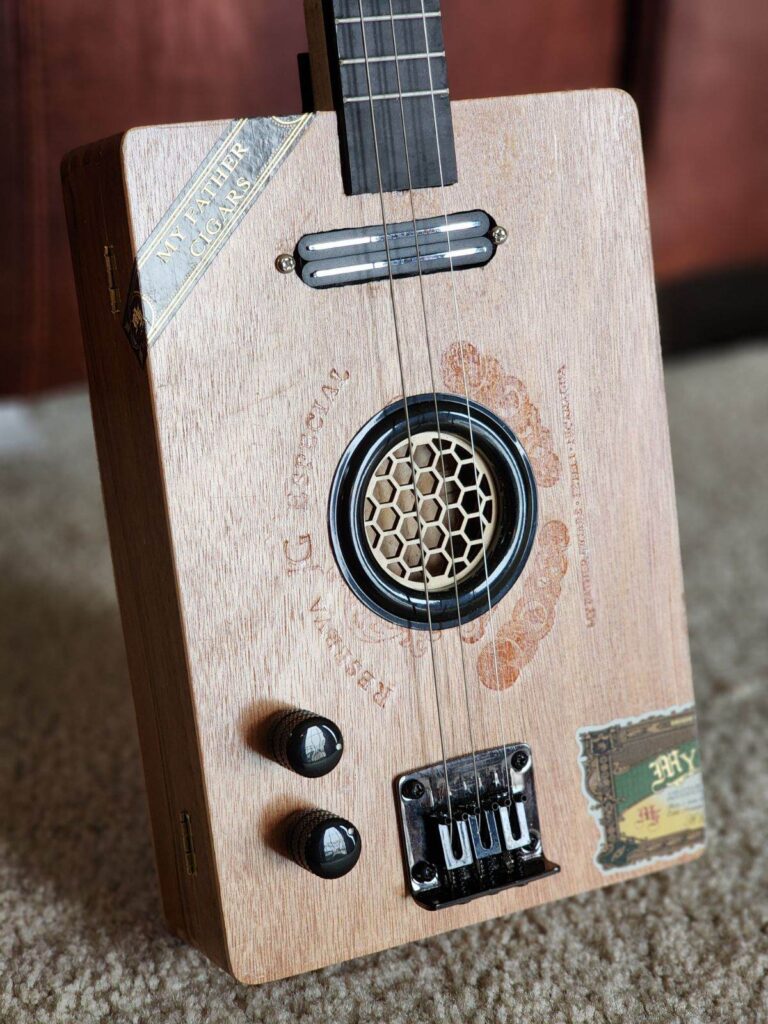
(470, 826)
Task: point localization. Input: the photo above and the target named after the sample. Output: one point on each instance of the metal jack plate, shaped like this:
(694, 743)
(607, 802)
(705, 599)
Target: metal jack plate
(470, 827)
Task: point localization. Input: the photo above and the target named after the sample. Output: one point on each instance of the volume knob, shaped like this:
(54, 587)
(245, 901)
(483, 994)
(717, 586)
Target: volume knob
(307, 743)
(324, 844)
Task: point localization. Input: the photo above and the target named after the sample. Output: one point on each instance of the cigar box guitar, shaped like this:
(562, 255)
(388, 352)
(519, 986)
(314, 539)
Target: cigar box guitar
(380, 417)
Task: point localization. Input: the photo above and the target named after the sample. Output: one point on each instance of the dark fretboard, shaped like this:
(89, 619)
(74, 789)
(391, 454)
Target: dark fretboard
(404, 35)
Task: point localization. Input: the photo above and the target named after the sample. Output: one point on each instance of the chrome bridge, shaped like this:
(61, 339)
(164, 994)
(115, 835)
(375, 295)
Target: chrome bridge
(353, 256)
(484, 839)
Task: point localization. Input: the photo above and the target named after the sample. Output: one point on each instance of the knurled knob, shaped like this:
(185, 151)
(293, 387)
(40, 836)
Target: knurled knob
(324, 843)
(307, 743)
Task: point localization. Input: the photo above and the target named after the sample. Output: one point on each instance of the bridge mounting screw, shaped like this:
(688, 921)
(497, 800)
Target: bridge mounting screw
(499, 235)
(534, 843)
(519, 760)
(413, 790)
(285, 263)
(423, 872)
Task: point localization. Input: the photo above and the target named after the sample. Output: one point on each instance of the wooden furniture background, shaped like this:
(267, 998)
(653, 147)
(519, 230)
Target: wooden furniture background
(72, 71)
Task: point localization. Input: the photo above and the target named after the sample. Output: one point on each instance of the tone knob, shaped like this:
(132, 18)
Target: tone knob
(324, 844)
(306, 743)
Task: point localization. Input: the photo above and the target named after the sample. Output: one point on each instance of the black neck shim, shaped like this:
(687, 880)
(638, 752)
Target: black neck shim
(382, 110)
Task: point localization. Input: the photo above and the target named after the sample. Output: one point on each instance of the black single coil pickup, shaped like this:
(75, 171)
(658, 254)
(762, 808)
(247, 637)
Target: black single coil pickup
(470, 827)
(356, 255)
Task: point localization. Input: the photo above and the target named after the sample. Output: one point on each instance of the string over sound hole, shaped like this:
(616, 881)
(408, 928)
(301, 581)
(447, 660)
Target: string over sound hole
(455, 499)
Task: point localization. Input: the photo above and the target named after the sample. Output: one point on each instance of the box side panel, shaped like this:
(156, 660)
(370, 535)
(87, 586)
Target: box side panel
(132, 483)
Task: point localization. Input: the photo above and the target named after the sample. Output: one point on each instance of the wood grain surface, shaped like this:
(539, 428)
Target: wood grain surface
(232, 605)
(142, 549)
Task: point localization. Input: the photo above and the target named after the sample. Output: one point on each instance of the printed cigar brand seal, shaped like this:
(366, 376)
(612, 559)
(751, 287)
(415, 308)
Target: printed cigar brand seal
(201, 220)
(643, 779)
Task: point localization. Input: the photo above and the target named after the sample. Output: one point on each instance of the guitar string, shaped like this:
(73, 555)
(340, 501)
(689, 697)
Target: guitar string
(398, 341)
(428, 342)
(459, 332)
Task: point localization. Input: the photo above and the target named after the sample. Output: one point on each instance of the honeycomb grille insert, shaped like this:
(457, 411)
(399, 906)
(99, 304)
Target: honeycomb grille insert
(479, 516)
(457, 502)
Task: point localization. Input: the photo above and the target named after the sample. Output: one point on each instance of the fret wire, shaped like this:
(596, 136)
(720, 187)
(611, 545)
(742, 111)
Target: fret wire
(396, 95)
(415, 49)
(385, 17)
(402, 56)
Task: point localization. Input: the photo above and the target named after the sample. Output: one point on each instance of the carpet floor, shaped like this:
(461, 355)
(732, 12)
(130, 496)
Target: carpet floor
(81, 937)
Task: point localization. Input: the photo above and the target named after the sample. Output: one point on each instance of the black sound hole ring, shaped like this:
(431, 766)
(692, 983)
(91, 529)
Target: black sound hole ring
(515, 530)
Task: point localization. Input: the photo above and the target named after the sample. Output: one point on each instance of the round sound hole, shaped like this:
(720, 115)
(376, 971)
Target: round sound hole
(441, 527)
(432, 515)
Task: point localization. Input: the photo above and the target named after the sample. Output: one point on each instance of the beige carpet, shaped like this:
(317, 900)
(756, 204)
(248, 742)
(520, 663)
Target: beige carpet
(81, 938)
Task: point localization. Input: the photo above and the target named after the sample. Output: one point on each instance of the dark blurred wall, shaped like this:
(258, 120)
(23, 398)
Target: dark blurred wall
(72, 71)
(706, 110)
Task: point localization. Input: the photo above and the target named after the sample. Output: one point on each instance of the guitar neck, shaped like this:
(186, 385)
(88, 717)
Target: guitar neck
(385, 74)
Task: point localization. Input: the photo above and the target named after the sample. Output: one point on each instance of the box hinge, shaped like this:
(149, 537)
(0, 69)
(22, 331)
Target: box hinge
(187, 844)
(114, 291)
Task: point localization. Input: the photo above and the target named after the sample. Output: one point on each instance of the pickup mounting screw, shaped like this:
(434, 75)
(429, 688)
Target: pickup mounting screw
(413, 790)
(285, 263)
(519, 760)
(423, 872)
(499, 235)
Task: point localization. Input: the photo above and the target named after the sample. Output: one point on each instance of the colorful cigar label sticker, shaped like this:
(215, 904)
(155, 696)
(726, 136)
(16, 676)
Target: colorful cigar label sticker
(201, 219)
(643, 779)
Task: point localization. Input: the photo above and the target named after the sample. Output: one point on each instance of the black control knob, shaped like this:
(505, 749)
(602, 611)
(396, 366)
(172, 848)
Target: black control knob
(306, 743)
(323, 843)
